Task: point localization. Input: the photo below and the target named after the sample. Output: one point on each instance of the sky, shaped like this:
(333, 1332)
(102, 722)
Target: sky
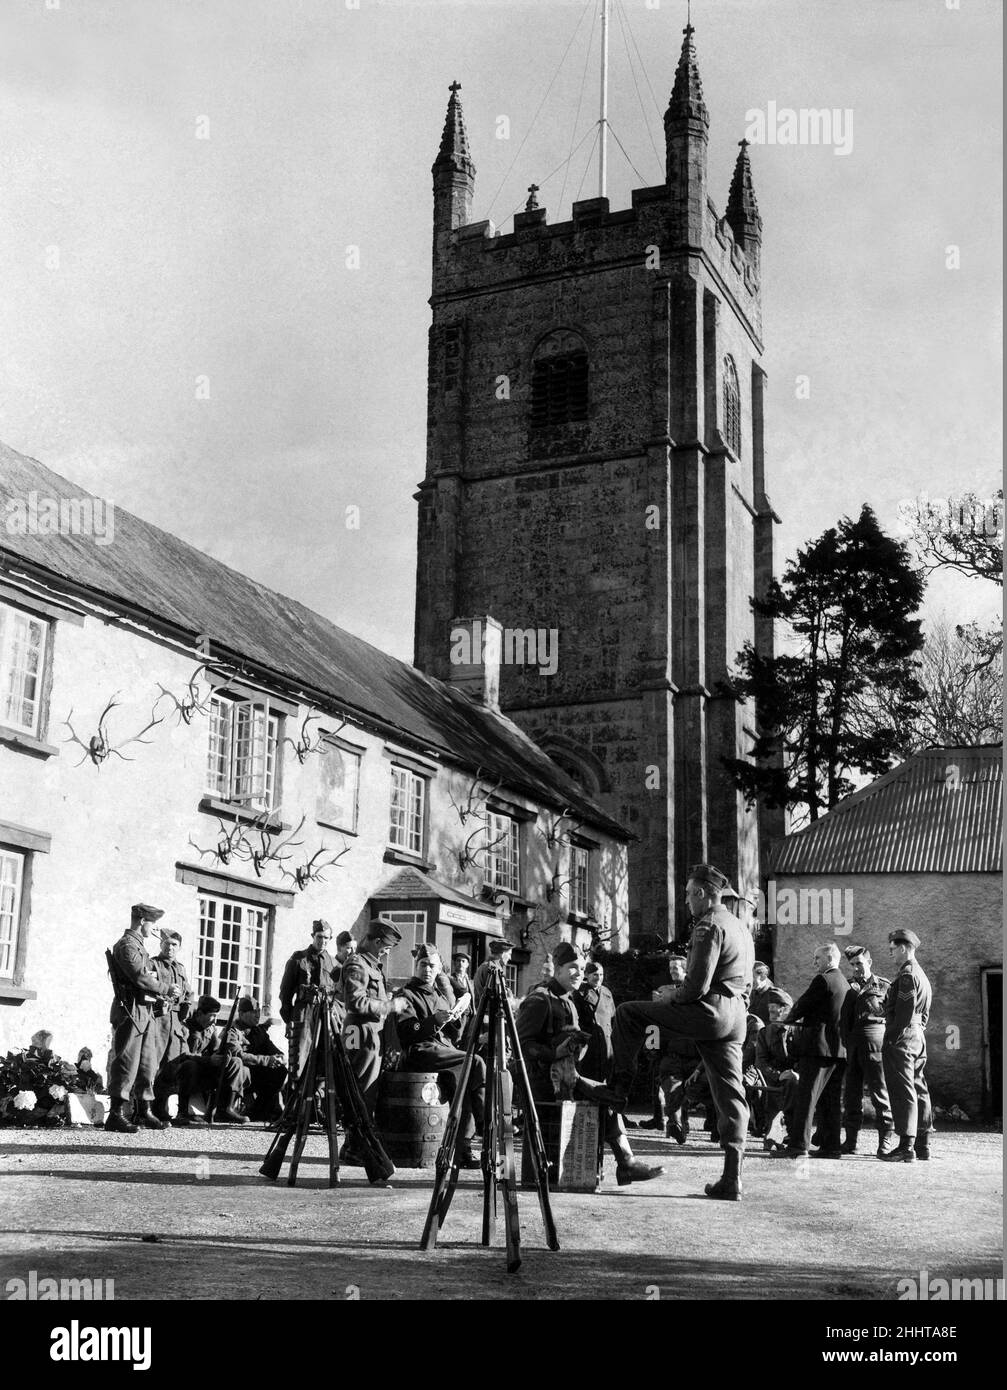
(180, 181)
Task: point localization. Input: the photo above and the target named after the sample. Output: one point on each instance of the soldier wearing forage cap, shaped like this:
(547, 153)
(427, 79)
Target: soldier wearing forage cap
(422, 1033)
(305, 971)
(365, 996)
(862, 1023)
(170, 1015)
(549, 1029)
(138, 987)
(904, 1051)
(711, 1010)
(499, 954)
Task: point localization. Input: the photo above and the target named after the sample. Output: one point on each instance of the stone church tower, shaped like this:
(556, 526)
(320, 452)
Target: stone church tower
(595, 478)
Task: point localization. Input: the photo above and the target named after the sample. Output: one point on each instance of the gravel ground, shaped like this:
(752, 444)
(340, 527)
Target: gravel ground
(184, 1215)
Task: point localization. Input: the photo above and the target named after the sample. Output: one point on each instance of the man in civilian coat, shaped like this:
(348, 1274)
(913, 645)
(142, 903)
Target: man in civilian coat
(822, 1058)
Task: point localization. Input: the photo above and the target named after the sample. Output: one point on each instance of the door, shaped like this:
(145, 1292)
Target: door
(992, 997)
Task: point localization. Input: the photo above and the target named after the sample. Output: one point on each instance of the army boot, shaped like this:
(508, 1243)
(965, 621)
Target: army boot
(885, 1137)
(728, 1187)
(117, 1121)
(922, 1146)
(146, 1119)
(657, 1119)
(905, 1153)
(849, 1144)
(628, 1168)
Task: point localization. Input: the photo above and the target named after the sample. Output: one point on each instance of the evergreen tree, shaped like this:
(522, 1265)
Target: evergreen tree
(832, 702)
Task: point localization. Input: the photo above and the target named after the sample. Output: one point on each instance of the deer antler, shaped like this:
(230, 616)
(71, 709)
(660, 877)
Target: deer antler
(556, 886)
(467, 855)
(472, 798)
(306, 744)
(190, 704)
(552, 835)
(310, 872)
(228, 847)
(268, 852)
(99, 746)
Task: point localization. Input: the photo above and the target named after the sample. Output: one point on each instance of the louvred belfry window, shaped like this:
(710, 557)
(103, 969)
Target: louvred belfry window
(732, 407)
(559, 382)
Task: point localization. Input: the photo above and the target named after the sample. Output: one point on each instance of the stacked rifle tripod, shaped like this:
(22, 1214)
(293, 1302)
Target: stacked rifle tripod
(498, 1167)
(327, 1062)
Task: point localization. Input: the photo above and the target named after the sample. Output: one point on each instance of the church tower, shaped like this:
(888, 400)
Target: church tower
(595, 481)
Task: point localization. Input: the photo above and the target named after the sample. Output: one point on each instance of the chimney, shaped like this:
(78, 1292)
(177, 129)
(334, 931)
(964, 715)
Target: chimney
(475, 659)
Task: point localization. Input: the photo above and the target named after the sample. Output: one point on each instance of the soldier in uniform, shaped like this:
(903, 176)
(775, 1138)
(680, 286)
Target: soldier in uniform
(304, 972)
(421, 1029)
(200, 1067)
(711, 1010)
(135, 1040)
(548, 1024)
(596, 1008)
(461, 984)
(345, 947)
(365, 996)
(262, 1061)
(169, 1017)
(904, 1051)
(761, 986)
(776, 1062)
(500, 954)
(862, 1023)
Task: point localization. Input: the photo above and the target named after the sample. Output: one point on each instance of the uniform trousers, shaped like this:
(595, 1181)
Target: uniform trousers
(363, 1050)
(135, 1058)
(864, 1067)
(717, 1026)
(447, 1062)
(905, 1061)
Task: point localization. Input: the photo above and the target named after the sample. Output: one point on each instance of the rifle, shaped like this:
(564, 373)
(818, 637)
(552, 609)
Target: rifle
(356, 1117)
(297, 1103)
(220, 1084)
(118, 984)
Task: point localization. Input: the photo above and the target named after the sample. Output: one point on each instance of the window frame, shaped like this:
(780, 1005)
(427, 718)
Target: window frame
(731, 406)
(12, 947)
(580, 906)
(222, 782)
(416, 918)
(36, 730)
(508, 879)
(415, 780)
(248, 969)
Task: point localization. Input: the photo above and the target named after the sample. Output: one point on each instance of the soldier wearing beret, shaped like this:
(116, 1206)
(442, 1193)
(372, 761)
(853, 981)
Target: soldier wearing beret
(200, 1068)
(904, 1051)
(862, 1023)
(138, 987)
(170, 1015)
(549, 1029)
(261, 1059)
(365, 996)
(711, 1010)
(305, 971)
(421, 1028)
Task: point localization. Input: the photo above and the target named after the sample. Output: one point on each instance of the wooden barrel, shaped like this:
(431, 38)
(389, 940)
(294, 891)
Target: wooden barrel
(411, 1117)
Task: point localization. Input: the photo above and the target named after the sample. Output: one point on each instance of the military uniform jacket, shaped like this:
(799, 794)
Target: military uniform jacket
(819, 1010)
(365, 993)
(753, 1029)
(303, 970)
(863, 1012)
(253, 1046)
(427, 1011)
(759, 1004)
(172, 972)
(596, 1009)
(139, 983)
(721, 956)
(202, 1041)
(907, 1003)
(480, 980)
(542, 1017)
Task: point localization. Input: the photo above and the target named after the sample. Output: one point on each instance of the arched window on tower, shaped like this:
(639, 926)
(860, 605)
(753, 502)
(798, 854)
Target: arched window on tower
(732, 407)
(559, 380)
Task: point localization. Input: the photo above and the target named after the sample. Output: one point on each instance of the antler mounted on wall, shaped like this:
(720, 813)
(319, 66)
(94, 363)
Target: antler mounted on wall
(270, 850)
(310, 743)
(229, 846)
(311, 871)
(554, 835)
(468, 855)
(190, 704)
(99, 746)
(556, 886)
(476, 795)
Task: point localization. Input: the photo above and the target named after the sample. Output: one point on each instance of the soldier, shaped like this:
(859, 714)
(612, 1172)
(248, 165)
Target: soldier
(135, 1041)
(304, 972)
(547, 972)
(261, 1059)
(596, 1008)
(421, 1028)
(904, 1051)
(776, 1061)
(823, 1058)
(711, 1010)
(461, 984)
(673, 1069)
(862, 1022)
(345, 947)
(200, 1067)
(548, 1026)
(761, 985)
(500, 954)
(365, 996)
(169, 1018)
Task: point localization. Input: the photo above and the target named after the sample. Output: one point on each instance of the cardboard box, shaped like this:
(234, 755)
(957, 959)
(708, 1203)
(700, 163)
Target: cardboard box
(572, 1134)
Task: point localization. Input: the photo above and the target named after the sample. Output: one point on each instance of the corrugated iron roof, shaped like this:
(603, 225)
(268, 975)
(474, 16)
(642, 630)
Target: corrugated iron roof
(940, 812)
(147, 569)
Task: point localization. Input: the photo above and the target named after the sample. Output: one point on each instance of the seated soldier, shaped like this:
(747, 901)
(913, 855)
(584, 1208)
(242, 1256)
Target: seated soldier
(420, 1029)
(678, 1062)
(200, 1069)
(776, 1060)
(262, 1060)
(548, 1029)
(750, 1074)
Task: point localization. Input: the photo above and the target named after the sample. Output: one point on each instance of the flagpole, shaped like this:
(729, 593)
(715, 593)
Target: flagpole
(603, 119)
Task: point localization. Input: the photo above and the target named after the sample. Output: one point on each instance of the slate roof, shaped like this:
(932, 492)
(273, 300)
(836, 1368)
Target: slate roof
(414, 883)
(939, 812)
(170, 583)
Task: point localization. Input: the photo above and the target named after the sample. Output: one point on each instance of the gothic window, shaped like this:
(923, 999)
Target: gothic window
(732, 407)
(559, 380)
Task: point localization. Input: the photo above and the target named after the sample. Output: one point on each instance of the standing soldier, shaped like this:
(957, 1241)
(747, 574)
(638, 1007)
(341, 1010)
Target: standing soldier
(304, 972)
(711, 1010)
(862, 1023)
(170, 1017)
(904, 1053)
(365, 996)
(138, 987)
(345, 947)
(461, 985)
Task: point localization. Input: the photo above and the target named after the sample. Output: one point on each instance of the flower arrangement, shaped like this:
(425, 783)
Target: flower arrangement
(33, 1088)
